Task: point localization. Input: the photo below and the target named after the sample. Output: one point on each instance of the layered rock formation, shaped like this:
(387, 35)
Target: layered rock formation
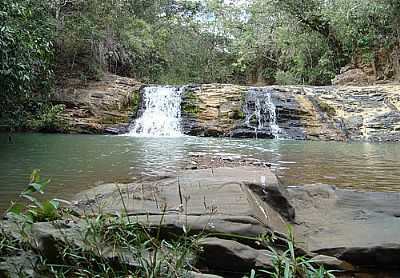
(98, 107)
(316, 113)
(241, 213)
(312, 113)
(354, 232)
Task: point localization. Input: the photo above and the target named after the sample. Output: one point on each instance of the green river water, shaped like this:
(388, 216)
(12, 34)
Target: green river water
(78, 162)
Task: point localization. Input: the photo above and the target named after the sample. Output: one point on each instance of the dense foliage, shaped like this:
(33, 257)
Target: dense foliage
(184, 41)
(26, 55)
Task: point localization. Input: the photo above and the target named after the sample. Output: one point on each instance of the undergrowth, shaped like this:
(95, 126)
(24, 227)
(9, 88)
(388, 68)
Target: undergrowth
(110, 246)
(288, 264)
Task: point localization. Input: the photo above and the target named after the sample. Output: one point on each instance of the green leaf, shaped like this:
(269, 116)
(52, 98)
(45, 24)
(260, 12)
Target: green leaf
(55, 204)
(32, 199)
(35, 176)
(287, 273)
(49, 210)
(16, 208)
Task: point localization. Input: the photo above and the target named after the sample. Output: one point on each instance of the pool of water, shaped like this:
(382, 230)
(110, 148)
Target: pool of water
(78, 162)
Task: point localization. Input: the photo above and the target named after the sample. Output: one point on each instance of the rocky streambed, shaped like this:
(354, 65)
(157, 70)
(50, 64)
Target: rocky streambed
(235, 208)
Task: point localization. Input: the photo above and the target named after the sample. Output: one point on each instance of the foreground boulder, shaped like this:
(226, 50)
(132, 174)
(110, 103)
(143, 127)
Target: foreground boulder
(225, 199)
(362, 228)
(338, 227)
(231, 256)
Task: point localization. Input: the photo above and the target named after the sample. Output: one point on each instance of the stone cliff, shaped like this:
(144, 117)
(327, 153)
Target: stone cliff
(97, 107)
(337, 113)
(313, 113)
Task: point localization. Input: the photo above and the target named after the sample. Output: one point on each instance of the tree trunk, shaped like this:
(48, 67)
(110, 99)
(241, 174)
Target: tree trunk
(306, 14)
(396, 63)
(373, 64)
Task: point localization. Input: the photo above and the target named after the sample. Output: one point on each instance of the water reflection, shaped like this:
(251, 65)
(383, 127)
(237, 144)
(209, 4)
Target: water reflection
(77, 162)
(152, 155)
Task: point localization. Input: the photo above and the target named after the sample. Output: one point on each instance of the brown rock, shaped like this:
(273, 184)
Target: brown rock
(94, 106)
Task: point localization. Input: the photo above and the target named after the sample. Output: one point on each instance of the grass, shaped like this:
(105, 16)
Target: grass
(8, 244)
(288, 264)
(136, 251)
(109, 246)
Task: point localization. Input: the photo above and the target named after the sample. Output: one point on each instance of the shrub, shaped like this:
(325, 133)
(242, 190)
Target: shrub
(35, 210)
(49, 119)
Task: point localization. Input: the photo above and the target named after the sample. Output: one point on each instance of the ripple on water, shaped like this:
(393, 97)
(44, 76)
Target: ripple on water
(78, 162)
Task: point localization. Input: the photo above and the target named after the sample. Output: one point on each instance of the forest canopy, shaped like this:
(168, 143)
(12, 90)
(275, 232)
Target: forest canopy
(177, 42)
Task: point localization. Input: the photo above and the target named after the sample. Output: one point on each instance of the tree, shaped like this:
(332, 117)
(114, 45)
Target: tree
(26, 55)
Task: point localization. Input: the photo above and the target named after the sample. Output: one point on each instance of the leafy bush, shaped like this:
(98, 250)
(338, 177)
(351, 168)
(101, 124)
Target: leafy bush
(35, 210)
(285, 78)
(49, 119)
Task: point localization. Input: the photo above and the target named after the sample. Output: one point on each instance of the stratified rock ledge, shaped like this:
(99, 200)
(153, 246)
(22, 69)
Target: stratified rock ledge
(348, 230)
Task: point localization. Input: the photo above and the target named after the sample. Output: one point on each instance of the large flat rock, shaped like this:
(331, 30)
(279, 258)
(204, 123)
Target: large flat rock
(362, 228)
(228, 199)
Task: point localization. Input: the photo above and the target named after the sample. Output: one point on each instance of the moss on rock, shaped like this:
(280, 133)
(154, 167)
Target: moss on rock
(135, 101)
(237, 114)
(190, 104)
(328, 109)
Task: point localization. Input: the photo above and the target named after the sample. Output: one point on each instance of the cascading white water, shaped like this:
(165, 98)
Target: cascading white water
(275, 129)
(162, 113)
(264, 111)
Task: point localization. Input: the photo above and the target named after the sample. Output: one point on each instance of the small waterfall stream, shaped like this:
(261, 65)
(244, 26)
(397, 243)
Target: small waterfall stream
(260, 111)
(161, 115)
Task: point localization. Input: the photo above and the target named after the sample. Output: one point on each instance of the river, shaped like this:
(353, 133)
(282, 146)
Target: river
(78, 162)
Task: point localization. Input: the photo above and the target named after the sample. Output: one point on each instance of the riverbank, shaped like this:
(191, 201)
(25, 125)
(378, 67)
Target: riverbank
(225, 221)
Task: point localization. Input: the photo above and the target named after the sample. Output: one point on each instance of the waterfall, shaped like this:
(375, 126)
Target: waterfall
(261, 111)
(161, 115)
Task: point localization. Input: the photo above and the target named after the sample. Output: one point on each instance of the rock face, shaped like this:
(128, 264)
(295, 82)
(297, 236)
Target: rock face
(308, 113)
(211, 110)
(314, 113)
(220, 196)
(352, 76)
(99, 106)
(361, 228)
(343, 229)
